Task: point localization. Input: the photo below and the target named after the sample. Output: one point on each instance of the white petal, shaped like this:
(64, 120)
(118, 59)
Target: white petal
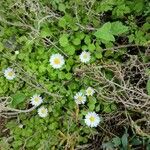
(16, 52)
(9, 74)
(60, 61)
(80, 98)
(85, 57)
(90, 91)
(91, 123)
(36, 100)
(43, 112)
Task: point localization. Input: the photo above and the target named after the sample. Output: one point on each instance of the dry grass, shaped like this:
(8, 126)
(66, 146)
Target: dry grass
(126, 88)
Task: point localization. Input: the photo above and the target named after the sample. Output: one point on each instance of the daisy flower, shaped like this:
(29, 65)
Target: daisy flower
(90, 91)
(56, 61)
(9, 74)
(80, 98)
(85, 57)
(16, 52)
(36, 100)
(20, 126)
(92, 119)
(43, 112)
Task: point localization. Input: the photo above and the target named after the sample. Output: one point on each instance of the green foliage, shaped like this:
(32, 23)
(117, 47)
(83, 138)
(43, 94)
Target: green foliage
(124, 143)
(117, 28)
(124, 140)
(148, 87)
(63, 40)
(109, 30)
(1, 47)
(18, 98)
(38, 29)
(105, 33)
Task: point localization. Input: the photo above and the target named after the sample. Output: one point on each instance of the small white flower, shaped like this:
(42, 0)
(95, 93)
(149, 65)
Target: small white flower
(90, 91)
(85, 57)
(43, 112)
(20, 126)
(36, 100)
(9, 74)
(80, 98)
(57, 61)
(16, 52)
(92, 119)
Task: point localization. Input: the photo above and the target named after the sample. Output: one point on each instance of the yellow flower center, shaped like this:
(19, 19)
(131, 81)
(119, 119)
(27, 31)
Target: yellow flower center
(11, 73)
(57, 61)
(43, 111)
(80, 98)
(89, 92)
(84, 56)
(36, 99)
(92, 119)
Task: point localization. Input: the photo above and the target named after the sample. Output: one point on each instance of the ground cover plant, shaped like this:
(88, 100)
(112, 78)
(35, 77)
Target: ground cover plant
(74, 74)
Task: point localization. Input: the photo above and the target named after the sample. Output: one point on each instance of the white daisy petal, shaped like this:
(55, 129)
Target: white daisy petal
(85, 57)
(57, 61)
(80, 98)
(9, 74)
(43, 112)
(16, 52)
(20, 126)
(92, 119)
(90, 91)
(36, 100)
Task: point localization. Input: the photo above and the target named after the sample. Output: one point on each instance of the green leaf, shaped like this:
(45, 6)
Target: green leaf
(84, 47)
(105, 33)
(146, 26)
(98, 54)
(121, 10)
(148, 87)
(17, 143)
(87, 39)
(1, 47)
(1, 31)
(68, 76)
(107, 108)
(108, 53)
(63, 40)
(45, 32)
(106, 5)
(62, 22)
(80, 35)
(136, 141)
(62, 7)
(97, 109)
(42, 68)
(124, 140)
(116, 141)
(138, 5)
(61, 75)
(91, 47)
(68, 67)
(91, 107)
(70, 61)
(76, 41)
(18, 98)
(70, 49)
(74, 27)
(108, 146)
(113, 107)
(118, 28)
(91, 103)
